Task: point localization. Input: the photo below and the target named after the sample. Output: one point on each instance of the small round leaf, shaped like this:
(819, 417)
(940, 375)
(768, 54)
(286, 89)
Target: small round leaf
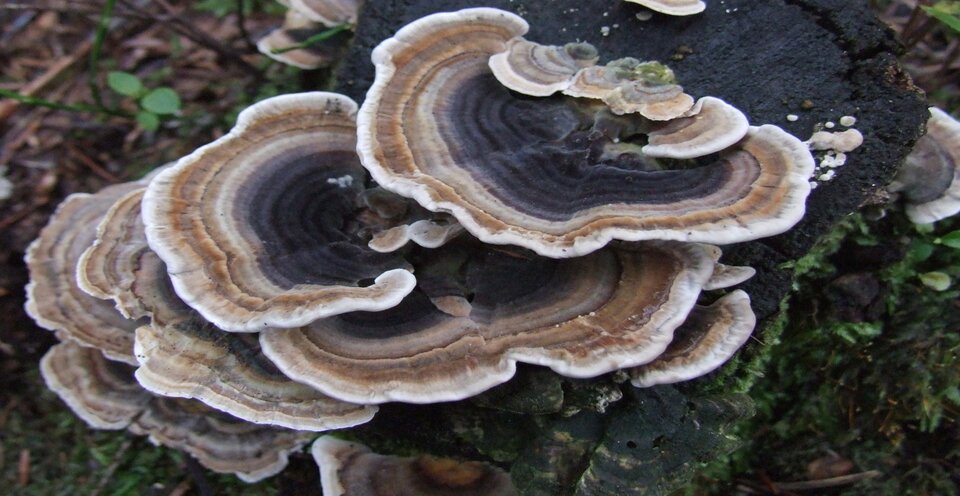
(125, 83)
(148, 120)
(161, 101)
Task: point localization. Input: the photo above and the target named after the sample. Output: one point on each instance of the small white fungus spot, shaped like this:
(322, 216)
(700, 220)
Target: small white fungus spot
(605, 30)
(831, 160)
(342, 181)
(848, 120)
(792, 117)
(829, 125)
(843, 141)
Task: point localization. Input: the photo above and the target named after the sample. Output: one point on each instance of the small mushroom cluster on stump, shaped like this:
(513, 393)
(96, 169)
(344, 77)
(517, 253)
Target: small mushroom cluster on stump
(493, 201)
(929, 180)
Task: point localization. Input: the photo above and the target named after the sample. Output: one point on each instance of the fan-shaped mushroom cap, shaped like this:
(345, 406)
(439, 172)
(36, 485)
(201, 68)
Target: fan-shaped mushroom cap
(328, 12)
(101, 392)
(230, 373)
(581, 317)
(255, 228)
(540, 70)
(655, 102)
(104, 394)
(673, 7)
(930, 176)
(594, 82)
(218, 441)
(630, 86)
(428, 233)
(181, 355)
(352, 469)
(715, 126)
(709, 337)
(53, 298)
(725, 276)
(443, 131)
(107, 269)
(297, 29)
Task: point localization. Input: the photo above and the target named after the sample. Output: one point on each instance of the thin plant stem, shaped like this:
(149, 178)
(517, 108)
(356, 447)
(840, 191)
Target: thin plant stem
(70, 107)
(106, 16)
(317, 38)
(242, 24)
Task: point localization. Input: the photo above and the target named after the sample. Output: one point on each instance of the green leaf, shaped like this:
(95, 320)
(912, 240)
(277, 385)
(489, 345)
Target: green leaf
(944, 16)
(161, 101)
(919, 250)
(148, 120)
(125, 83)
(937, 281)
(953, 394)
(951, 239)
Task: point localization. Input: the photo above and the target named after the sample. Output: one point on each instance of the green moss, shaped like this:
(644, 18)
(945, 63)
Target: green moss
(880, 386)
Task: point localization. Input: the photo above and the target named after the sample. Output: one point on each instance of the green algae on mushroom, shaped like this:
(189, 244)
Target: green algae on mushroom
(352, 469)
(254, 227)
(441, 130)
(626, 86)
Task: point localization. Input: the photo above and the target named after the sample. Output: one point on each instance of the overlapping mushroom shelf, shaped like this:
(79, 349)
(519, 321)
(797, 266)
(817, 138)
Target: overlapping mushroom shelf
(564, 176)
(269, 277)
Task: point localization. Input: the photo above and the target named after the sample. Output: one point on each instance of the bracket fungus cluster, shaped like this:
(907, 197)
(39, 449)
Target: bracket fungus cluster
(562, 176)
(493, 202)
(929, 180)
